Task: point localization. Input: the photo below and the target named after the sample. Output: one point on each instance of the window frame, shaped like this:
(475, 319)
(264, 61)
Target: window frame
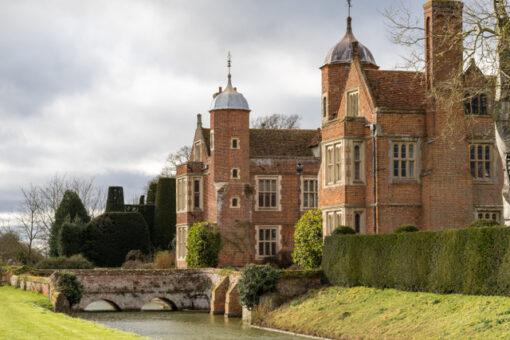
(238, 173)
(491, 211)
(482, 104)
(303, 192)
(277, 240)
(197, 156)
(474, 163)
(352, 107)
(332, 217)
(360, 162)
(232, 202)
(278, 192)
(181, 194)
(404, 160)
(238, 145)
(324, 106)
(181, 229)
(200, 193)
(211, 139)
(334, 159)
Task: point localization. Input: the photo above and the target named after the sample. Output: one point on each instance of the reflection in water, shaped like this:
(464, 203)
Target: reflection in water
(182, 325)
(101, 306)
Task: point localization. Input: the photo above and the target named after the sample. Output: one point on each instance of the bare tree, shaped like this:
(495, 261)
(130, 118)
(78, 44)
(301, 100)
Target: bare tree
(486, 37)
(277, 121)
(29, 218)
(175, 159)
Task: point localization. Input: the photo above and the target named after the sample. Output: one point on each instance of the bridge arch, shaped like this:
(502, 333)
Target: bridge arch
(159, 304)
(102, 305)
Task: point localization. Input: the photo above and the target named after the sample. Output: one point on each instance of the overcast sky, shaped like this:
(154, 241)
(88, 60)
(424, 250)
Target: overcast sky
(109, 88)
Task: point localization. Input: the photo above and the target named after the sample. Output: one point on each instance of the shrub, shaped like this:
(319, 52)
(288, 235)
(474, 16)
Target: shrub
(480, 223)
(69, 286)
(71, 210)
(164, 260)
(137, 265)
(468, 261)
(164, 213)
(308, 240)
(406, 228)
(70, 239)
(109, 237)
(62, 262)
(203, 245)
(343, 230)
(255, 281)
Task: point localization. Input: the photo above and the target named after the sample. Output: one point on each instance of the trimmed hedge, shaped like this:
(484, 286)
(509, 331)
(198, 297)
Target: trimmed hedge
(468, 261)
(406, 228)
(70, 239)
(480, 223)
(343, 230)
(165, 216)
(115, 199)
(109, 237)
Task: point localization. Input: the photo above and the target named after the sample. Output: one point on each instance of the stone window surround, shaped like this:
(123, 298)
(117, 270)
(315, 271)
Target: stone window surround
(330, 216)
(181, 229)
(201, 202)
(492, 173)
(181, 183)
(302, 191)
(348, 94)
(238, 202)
(232, 173)
(324, 108)
(489, 209)
(278, 192)
(335, 144)
(212, 139)
(417, 156)
(346, 141)
(197, 151)
(278, 239)
(232, 143)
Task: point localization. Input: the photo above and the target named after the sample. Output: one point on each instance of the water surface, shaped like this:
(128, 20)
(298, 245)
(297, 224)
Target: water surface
(182, 325)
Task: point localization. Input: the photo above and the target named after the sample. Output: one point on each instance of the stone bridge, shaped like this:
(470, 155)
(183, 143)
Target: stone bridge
(207, 289)
(183, 289)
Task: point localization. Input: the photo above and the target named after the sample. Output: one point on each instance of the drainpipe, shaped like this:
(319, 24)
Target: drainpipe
(373, 128)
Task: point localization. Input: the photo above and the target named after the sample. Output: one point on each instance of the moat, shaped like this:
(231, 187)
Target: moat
(181, 325)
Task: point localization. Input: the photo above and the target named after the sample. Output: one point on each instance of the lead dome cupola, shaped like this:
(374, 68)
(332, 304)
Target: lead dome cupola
(229, 99)
(342, 52)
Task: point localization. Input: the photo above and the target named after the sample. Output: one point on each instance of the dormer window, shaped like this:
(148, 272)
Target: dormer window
(352, 103)
(197, 152)
(235, 143)
(475, 104)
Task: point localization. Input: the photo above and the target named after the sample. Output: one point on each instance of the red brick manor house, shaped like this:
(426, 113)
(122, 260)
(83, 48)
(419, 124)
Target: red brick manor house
(388, 153)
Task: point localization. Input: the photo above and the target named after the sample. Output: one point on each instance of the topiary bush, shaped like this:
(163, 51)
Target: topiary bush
(164, 213)
(308, 240)
(151, 192)
(255, 281)
(70, 210)
(62, 262)
(480, 223)
(70, 239)
(68, 285)
(467, 261)
(115, 199)
(203, 245)
(406, 228)
(109, 237)
(343, 230)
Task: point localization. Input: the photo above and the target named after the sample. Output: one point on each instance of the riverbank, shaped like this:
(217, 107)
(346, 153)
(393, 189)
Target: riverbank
(28, 315)
(369, 313)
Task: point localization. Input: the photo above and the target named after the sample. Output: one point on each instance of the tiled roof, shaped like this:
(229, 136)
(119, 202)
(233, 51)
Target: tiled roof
(397, 89)
(282, 143)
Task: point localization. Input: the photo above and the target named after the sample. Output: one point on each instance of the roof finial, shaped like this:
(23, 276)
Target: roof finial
(349, 5)
(229, 62)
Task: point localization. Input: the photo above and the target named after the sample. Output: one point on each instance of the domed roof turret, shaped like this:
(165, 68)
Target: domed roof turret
(229, 98)
(343, 51)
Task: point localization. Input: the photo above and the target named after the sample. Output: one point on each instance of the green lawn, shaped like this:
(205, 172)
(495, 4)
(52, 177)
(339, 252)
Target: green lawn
(28, 315)
(369, 313)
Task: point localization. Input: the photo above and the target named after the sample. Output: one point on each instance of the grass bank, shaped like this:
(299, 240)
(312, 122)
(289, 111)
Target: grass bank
(28, 315)
(369, 313)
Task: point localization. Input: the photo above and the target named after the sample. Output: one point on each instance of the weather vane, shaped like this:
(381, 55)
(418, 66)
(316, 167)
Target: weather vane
(229, 62)
(349, 5)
